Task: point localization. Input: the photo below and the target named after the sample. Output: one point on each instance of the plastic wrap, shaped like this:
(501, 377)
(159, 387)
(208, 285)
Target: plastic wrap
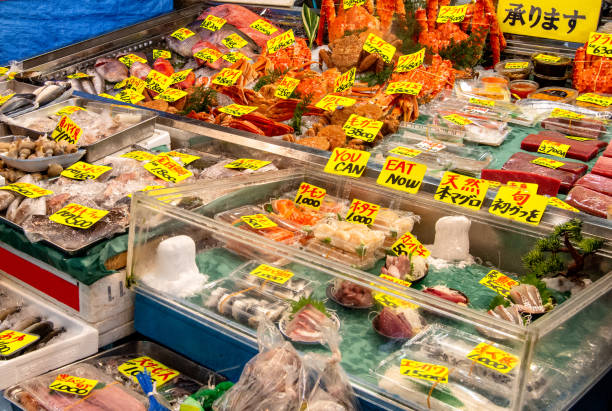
(477, 129)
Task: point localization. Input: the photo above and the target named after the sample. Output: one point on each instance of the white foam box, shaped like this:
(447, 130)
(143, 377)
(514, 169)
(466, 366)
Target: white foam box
(116, 334)
(97, 302)
(79, 341)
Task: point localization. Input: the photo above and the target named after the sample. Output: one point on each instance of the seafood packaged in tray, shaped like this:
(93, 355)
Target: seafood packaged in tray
(247, 304)
(431, 131)
(301, 217)
(493, 87)
(351, 237)
(437, 156)
(286, 286)
(394, 223)
(477, 129)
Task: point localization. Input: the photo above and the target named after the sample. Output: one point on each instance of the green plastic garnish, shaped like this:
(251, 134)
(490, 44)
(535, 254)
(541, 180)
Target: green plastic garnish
(303, 302)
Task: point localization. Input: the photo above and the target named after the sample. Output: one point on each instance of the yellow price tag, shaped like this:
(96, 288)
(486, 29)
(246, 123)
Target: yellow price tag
(235, 56)
(227, 77)
(148, 188)
(84, 171)
(553, 148)
(250, 163)
(185, 158)
(561, 113)
(182, 34)
(518, 205)
(404, 87)
(402, 175)
(281, 41)
(547, 58)
(595, 99)
(391, 301)
(237, 110)
(27, 189)
(408, 244)
(345, 81)
(171, 95)
(464, 191)
(263, 27)
(600, 44)
(547, 162)
(128, 96)
(493, 358)
(273, 274)
(405, 151)
(135, 84)
(258, 221)
(13, 341)
(457, 119)
(67, 130)
(165, 54)
(78, 216)
(555, 202)
(139, 155)
(286, 87)
(157, 81)
(454, 14)
(498, 282)
(331, 102)
(209, 55)
(159, 372)
(517, 65)
(78, 75)
(347, 4)
(424, 371)
(213, 23)
(362, 212)
(167, 169)
(4, 99)
(347, 162)
(310, 196)
(529, 187)
(234, 41)
(3, 70)
(73, 385)
(409, 62)
(579, 138)
(68, 110)
(179, 76)
(362, 128)
(395, 280)
(482, 102)
(130, 59)
(376, 45)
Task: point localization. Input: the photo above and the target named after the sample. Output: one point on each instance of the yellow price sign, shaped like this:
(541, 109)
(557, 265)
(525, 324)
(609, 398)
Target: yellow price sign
(27, 189)
(331, 102)
(159, 372)
(129, 59)
(600, 44)
(128, 96)
(529, 187)
(595, 99)
(134, 83)
(553, 148)
(182, 34)
(139, 155)
(78, 216)
(424, 370)
(547, 58)
(464, 191)
(237, 110)
(84, 171)
(250, 163)
(209, 55)
(286, 87)
(493, 358)
(347, 4)
(362, 212)
(157, 81)
(78, 75)
(276, 275)
(4, 99)
(13, 341)
(213, 23)
(3, 70)
(405, 151)
(73, 385)
(171, 95)
(404, 87)
(391, 301)
(561, 113)
(408, 244)
(580, 138)
(179, 76)
(517, 65)
(167, 169)
(184, 157)
(395, 280)
(457, 119)
(347, 162)
(68, 110)
(234, 57)
(402, 175)
(376, 45)
(309, 195)
(555, 202)
(67, 130)
(234, 41)
(362, 128)
(518, 205)
(410, 62)
(345, 81)
(258, 221)
(165, 54)
(454, 14)
(547, 162)
(281, 41)
(498, 282)
(482, 102)
(264, 27)
(148, 188)
(227, 77)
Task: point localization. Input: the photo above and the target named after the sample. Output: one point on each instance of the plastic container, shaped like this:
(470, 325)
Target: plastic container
(78, 341)
(593, 106)
(522, 88)
(550, 68)
(556, 94)
(547, 81)
(505, 69)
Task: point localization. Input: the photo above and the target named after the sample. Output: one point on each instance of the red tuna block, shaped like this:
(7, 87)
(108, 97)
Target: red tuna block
(603, 167)
(546, 185)
(597, 183)
(608, 152)
(589, 201)
(522, 162)
(579, 150)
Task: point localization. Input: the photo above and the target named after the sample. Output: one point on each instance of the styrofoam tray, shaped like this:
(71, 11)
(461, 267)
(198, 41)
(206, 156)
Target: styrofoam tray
(79, 341)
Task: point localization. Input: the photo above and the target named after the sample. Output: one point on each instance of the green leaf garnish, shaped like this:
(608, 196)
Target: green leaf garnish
(303, 302)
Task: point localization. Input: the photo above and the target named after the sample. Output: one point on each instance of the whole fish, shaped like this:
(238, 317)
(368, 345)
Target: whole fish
(76, 84)
(183, 47)
(42, 341)
(97, 80)
(48, 93)
(18, 102)
(12, 209)
(140, 70)
(4, 313)
(6, 198)
(88, 86)
(25, 323)
(111, 70)
(41, 328)
(29, 207)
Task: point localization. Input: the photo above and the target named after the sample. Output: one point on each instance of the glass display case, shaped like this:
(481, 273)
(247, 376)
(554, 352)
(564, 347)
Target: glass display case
(250, 252)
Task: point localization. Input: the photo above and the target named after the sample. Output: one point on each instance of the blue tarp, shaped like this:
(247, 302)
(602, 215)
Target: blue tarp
(32, 27)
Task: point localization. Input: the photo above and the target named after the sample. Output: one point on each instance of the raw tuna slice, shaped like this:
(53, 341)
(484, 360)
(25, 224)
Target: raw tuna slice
(546, 185)
(589, 128)
(603, 167)
(580, 150)
(608, 152)
(568, 173)
(589, 201)
(597, 183)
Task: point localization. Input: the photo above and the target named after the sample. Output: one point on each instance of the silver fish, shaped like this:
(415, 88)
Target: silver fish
(76, 84)
(25, 323)
(18, 102)
(183, 47)
(88, 86)
(140, 70)
(12, 209)
(47, 94)
(111, 70)
(97, 80)
(8, 311)
(6, 198)
(29, 207)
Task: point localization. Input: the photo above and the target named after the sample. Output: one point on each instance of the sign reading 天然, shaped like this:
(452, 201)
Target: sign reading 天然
(564, 20)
